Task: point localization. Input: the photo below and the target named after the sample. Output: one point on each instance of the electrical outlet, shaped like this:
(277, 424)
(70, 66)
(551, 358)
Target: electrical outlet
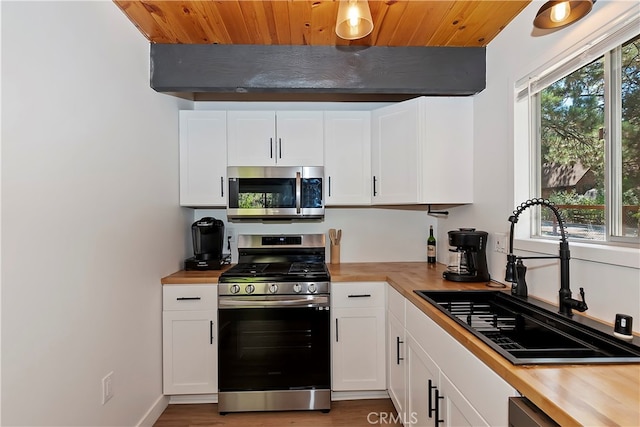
(500, 243)
(107, 387)
(231, 234)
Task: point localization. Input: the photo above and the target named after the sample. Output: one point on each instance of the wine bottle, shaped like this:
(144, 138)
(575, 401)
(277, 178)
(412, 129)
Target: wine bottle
(431, 247)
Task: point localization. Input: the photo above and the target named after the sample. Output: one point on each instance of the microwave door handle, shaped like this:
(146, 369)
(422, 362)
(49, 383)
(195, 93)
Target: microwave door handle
(298, 191)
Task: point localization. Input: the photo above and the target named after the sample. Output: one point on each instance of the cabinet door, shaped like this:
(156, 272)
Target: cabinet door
(447, 172)
(347, 153)
(396, 352)
(395, 153)
(190, 352)
(203, 158)
(358, 338)
(422, 381)
(455, 410)
(251, 138)
(300, 138)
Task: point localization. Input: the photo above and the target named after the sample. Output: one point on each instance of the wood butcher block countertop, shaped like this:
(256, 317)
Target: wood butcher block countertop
(589, 395)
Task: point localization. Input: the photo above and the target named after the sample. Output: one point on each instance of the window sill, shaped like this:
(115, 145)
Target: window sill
(607, 254)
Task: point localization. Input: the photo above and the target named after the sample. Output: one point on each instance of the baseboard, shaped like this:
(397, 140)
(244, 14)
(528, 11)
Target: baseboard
(359, 395)
(152, 415)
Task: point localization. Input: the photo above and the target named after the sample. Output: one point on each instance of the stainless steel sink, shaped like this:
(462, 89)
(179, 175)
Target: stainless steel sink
(526, 331)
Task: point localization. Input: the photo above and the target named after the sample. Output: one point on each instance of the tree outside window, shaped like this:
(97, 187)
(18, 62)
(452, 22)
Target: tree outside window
(597, 189)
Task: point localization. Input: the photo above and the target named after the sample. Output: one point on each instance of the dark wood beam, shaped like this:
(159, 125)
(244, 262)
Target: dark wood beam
(244, 69)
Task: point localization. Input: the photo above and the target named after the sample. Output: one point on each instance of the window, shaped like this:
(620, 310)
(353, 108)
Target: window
(585, 142)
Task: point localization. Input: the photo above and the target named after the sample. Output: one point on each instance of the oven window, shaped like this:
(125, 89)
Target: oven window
(273, 349)
(311, 193)
(266, 193)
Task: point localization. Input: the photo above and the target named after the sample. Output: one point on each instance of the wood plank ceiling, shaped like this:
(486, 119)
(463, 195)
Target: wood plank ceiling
(300, 22)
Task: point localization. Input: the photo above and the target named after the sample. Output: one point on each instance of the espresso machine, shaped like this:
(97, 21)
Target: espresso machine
(208, 241)
(468, 256)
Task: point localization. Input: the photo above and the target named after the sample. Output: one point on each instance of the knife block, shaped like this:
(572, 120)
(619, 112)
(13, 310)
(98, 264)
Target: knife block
(335, 254)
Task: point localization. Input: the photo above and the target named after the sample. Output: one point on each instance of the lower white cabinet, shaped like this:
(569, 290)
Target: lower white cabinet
(396, 349)
(444, 383)
(189, 339)
(358, 336)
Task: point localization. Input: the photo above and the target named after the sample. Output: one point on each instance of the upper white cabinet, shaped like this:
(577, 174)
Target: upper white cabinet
(347, 154)
(394, 153)
(275, 138)
(203, 158)
(422, 151)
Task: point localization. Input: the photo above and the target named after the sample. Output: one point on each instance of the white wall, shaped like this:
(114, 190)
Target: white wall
(512, 55)
(90, 215)
(368, 234)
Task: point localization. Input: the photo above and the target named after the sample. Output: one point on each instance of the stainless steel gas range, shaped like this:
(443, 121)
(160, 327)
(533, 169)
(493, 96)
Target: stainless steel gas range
(274, 326)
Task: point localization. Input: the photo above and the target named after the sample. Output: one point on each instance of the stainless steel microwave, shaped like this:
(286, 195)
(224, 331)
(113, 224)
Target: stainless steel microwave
(275, 192)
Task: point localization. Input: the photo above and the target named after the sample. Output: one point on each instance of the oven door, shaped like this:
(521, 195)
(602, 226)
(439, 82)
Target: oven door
(275, 192)
(274, 343)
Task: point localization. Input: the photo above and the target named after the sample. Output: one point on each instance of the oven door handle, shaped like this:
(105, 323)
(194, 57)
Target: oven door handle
(273, 301)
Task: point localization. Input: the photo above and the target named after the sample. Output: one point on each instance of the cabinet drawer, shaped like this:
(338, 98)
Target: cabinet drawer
(189, 297)
(358, 294)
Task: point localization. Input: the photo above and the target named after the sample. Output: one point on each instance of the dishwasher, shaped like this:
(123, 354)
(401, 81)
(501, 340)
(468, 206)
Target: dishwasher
(523, 413)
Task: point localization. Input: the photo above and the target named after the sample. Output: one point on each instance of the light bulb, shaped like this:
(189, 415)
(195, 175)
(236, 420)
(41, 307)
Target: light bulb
(353, 15)
(560, 11)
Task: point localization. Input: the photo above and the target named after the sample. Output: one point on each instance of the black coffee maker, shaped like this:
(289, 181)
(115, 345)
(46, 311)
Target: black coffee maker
(208, 241)
(468, 258)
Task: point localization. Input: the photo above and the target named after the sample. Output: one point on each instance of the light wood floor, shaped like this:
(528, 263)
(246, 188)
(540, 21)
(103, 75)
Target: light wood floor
(347, 413)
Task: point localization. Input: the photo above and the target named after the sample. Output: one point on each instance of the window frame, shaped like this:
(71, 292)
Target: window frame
(617, 250)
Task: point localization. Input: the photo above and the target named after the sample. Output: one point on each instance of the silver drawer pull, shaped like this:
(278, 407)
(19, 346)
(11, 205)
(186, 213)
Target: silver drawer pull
(188, 298)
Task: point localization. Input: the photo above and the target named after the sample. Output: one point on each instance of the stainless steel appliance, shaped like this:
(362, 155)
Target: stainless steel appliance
(523, 413)
(468, 257)
(208, 239)
(274, 326)
(272, 193)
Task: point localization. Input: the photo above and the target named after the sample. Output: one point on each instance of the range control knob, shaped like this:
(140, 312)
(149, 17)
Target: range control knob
(249, 289)
(273, 288)
(312, 288)
(297, 288)
(235, 289)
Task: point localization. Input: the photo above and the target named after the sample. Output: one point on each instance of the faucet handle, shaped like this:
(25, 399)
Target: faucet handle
(582, 305)
(582, 296)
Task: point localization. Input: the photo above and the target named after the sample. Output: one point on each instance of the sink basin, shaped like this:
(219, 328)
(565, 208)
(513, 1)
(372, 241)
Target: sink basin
(526, 331)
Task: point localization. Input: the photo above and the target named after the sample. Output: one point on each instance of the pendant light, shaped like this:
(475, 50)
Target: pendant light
(354, 19)
(557, 14)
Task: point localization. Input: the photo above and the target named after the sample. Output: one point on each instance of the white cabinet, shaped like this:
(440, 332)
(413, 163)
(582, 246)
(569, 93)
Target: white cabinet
(422, 380)
(468, 392)
(422, 151)
(347, 154)
(275, 138)
(358, 336)
(394, 153)
(396, 350)
(189, 339)
(203, 158)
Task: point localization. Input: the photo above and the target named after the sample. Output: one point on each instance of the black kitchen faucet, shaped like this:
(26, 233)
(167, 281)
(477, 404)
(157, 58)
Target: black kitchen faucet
(516, 269)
